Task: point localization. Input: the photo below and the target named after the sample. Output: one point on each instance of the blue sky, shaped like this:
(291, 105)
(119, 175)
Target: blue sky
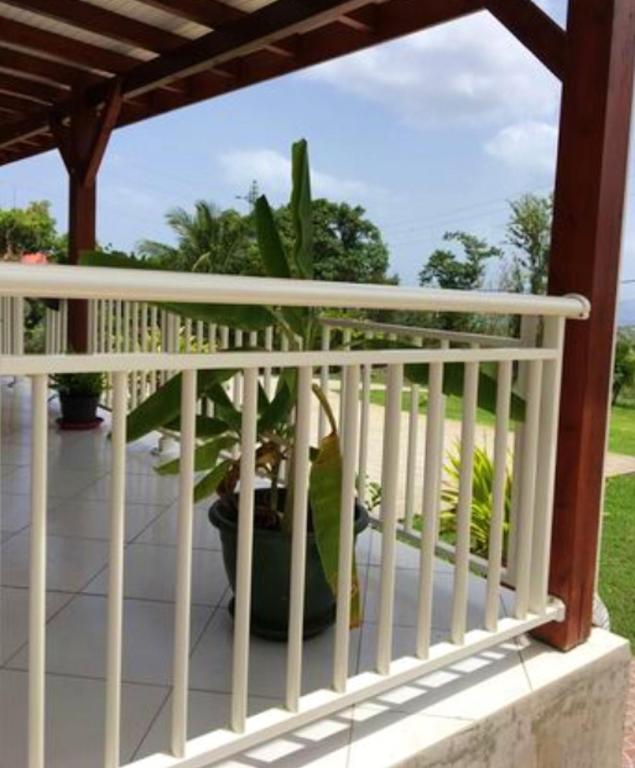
(433, 132)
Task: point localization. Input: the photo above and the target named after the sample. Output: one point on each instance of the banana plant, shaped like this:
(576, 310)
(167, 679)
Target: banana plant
(217, 456)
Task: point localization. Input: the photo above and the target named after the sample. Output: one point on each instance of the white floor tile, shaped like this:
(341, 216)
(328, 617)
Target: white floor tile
(81, 518)
(62, 483)
(74, 720)
(206, 712)
(76, 639)
(163, 530)
(150, 574)
(211, 661)
(71, 563)
(14, 617)
(140, 489)
(406, 598)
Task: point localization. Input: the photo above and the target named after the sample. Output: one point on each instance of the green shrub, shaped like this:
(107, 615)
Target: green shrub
(482, 501)
(87, 384)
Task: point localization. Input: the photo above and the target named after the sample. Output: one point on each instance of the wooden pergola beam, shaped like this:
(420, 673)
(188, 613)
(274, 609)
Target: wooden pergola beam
(103, 22)
(535, 29)
(585, 258)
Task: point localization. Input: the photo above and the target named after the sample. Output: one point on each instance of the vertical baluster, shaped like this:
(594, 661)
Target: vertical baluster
(324, 379)
(126, 340)
(433, 472)
(237, 383)
(134, 347)
(350, 437)
(362, 473)
(240, 667)
(413, 439)
(553, 338)
(115, 577)
(145, 346)
(528, 333)
(19, 326)
(102, 325)
(37, 574)
(499, 483)
(389, 484)
(464, 508)
(267, 372)
(527, 495)
(184, 564)
(64, 334)
(299, 534)
(155, 338)
(346, 344)
(200, 328)
(224, 337)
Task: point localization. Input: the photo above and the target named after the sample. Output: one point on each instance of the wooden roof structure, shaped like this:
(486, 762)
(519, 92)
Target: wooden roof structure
(71, 71)
(164, 54)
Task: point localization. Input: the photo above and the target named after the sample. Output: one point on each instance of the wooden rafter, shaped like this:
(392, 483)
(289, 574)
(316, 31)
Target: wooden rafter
(209, 13)
(535, 29)
(28, 89)
(103, 22)
(27, 65)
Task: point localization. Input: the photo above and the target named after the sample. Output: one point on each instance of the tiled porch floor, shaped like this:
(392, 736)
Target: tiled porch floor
(76, 604)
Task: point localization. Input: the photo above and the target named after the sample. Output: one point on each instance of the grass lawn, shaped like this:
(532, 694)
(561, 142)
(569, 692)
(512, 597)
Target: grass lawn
(622, 435)
(622, 431)
(617, 568)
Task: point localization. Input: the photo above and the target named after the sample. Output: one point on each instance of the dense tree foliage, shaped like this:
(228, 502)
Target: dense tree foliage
(25, 230)
(624, 370)
(347, 246)
(529, 234)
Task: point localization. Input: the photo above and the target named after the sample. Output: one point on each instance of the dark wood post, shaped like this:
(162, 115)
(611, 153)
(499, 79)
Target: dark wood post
(82, 144)
(587, 229)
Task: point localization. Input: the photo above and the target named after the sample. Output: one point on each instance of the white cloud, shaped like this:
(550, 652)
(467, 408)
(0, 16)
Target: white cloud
(529, 145)
(469, 72)
(272, 171)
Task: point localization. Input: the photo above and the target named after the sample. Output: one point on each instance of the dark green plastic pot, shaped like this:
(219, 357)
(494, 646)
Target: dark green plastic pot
(270, 582)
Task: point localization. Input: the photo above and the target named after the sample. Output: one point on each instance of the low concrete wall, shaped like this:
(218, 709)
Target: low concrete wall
(573, 718)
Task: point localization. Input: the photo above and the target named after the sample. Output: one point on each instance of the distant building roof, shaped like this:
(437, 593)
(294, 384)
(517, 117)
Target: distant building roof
(34, 258)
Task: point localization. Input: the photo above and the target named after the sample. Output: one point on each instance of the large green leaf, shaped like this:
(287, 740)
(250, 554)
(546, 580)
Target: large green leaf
(209, 484)
(276, 413)
(301, 210)
(206, 426)
(205, 456)
(164, 406)
(272, 251)
(325, 493)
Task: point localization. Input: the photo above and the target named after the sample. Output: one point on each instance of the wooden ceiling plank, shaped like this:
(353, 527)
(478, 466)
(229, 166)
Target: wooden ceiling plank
(30, 89)
(104, 22)
(62, 74)
(209, 13)
(65, 48)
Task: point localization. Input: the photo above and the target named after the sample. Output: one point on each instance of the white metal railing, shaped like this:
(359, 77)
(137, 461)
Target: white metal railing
(539, 358)
(11, 325)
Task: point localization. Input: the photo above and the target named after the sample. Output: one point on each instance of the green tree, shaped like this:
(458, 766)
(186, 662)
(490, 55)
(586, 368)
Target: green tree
(24, 230)
(348, 247)
(208, 240)
(528, 232)
(446, 269)
(624, 369)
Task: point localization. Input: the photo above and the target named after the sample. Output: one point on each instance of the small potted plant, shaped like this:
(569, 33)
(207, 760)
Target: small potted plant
(79, 395)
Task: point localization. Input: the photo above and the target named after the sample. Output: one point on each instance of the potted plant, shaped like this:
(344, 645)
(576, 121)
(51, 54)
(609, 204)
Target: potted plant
(79, 395)
(217, 455)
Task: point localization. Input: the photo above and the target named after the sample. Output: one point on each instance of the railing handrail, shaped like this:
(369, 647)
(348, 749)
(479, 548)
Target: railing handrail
(77, 282)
